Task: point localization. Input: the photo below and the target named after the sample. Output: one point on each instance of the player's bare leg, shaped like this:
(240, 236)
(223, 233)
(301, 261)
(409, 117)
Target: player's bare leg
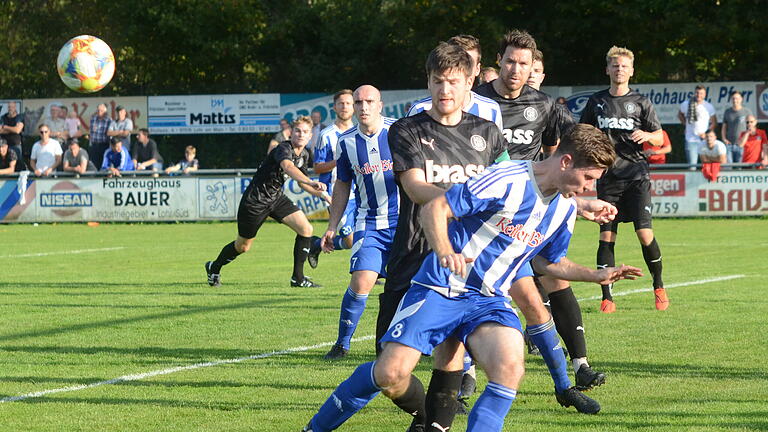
(652, 256)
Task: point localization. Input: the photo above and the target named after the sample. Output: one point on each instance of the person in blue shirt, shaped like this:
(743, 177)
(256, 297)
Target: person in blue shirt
(116, 159)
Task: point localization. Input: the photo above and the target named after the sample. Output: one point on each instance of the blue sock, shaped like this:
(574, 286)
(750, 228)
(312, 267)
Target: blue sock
(467, 361)
(316, 242)
(338, 243)
(352, 307)
(544, 336)
(348, 398)
(491, 408)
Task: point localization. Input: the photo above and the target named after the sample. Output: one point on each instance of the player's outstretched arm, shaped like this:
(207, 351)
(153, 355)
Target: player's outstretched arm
(597, 211)
(415, 184)
(566, 269)
(434, 218)
(316, 188)
(655, 138)
(341, 190)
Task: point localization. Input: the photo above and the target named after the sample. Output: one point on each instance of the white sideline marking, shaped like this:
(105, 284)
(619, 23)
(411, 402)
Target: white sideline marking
(77, 251)
(677, 285)
(136, 377)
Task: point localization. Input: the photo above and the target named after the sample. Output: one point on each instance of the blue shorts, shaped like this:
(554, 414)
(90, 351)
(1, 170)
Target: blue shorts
(426, 318)
(370, 250)
(347, 222)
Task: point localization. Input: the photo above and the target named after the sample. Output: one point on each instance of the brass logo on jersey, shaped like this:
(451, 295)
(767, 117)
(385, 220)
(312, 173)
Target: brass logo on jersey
(629, 107)
(530, 114)
(478, 143)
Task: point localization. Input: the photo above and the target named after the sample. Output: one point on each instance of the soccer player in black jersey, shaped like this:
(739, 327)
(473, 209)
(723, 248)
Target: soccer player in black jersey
(629, 119)
(264, 198)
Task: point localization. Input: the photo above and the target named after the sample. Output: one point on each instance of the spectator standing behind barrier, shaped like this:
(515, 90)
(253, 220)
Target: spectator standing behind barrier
(116, 159)
(754, 142)
(56, 124)
(145, 155)
(186, 165)
(122, 128)
(76, 159)
(283, 135)
(712, 150)
(100, 123)
(74, 125)
(658, 154)
(46, 153)
(317, 127)
(734, 123)
(7, 158)
(10, 130)
(698, 117)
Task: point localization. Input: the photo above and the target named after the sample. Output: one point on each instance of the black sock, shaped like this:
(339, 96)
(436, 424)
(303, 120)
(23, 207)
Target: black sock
(412, 401)
(543, 294)
(652, 255)
(227, 255)
(606, 258)
(300, 251)
(441, 403)
(567, 316)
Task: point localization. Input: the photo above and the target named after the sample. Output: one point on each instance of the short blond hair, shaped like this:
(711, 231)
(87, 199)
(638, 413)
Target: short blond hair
(619, 52)
(302, 119)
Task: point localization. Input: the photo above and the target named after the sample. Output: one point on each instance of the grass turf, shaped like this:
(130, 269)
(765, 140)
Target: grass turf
(82, 305)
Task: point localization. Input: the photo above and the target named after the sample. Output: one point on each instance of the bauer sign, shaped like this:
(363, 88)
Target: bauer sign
(214, 114)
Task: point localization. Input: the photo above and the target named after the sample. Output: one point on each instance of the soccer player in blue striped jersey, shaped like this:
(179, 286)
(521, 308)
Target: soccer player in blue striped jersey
(325, 164)
(511, 216)
(365, 160)
(475, 104)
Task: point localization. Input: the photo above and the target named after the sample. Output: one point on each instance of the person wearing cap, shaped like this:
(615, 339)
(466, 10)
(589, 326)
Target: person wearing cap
(121, 127)
(76, 159)
(7, 158)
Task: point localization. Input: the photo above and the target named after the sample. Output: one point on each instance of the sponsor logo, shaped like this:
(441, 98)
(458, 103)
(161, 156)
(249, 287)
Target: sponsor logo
(369, 168)
(216, 197)
(437, 173)
(66, 199)
(374, 151)
(615, 123)
(733, 200)
(630, 108)
(430, 143)
(518, 232)
(211, 119)
(530, 114)
(477, 142)
(601, 106)
(518, 136)
(668, 185)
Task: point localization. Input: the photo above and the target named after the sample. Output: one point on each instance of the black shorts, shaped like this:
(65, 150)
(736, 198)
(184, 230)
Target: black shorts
(252, 213)
(631, 197)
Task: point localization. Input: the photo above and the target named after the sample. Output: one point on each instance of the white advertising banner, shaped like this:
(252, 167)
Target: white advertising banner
(214, 114)
(396, 104)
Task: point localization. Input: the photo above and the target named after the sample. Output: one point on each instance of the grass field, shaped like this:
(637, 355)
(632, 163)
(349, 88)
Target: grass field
(82, 306)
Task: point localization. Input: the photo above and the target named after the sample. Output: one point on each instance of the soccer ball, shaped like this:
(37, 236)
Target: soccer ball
(85, 64)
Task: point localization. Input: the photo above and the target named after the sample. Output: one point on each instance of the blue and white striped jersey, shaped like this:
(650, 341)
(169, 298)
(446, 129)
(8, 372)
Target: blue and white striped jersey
(504, 222)
(325, 150)
(481, 106)
(367, 161)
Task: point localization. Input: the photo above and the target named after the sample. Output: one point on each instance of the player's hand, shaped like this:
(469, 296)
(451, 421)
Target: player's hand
(456, 263)
(316, 185)
(38, 172)
(326, 197)
(610, 275)
(639, 136)
(326, 242)
(598, 211)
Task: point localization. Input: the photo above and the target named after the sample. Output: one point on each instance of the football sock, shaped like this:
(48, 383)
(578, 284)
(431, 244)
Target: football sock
(412, 401)
(652, 255)
(352, 307)
(578, 363)
(544, 336)
(469, 379)
(348, 398)
(441, 403)
(606, 258)
(227, 255)
(567, 316)
(338, 243)
(491, 408)
(300, 252)
(316, 242)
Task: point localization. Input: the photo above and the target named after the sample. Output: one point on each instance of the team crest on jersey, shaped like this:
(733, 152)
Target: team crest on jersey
(478, 143)
(530, 114)
(630, 108)
(300, 163)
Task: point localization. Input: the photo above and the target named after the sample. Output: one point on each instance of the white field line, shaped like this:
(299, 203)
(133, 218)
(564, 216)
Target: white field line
(136, 377)
(77, 251)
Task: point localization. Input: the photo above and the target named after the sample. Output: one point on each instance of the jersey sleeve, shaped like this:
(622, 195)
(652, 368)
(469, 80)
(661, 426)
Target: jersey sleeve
(343, 166)
(486, 192)
(281, 153)
(651, 121)
(323, 152)
(499, 145)
(557, 246)
(564, 120)
(710, 109)
(404, 146)
(551, 133)
(588, 115)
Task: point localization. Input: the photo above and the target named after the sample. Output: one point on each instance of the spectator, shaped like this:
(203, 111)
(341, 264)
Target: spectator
(74, 125)
(46, 153)
(317, 126)
(76, 159)
(116, 159)
(186, 165)
(56, 123)
(7, 158)
(100, 123)
(658, 155)
(488, 74)
(10, 130)
(753, 142)
(122, 128)
(698, 117)
(734, 123)
(283, 135)
(145, 154)
(713, 150)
